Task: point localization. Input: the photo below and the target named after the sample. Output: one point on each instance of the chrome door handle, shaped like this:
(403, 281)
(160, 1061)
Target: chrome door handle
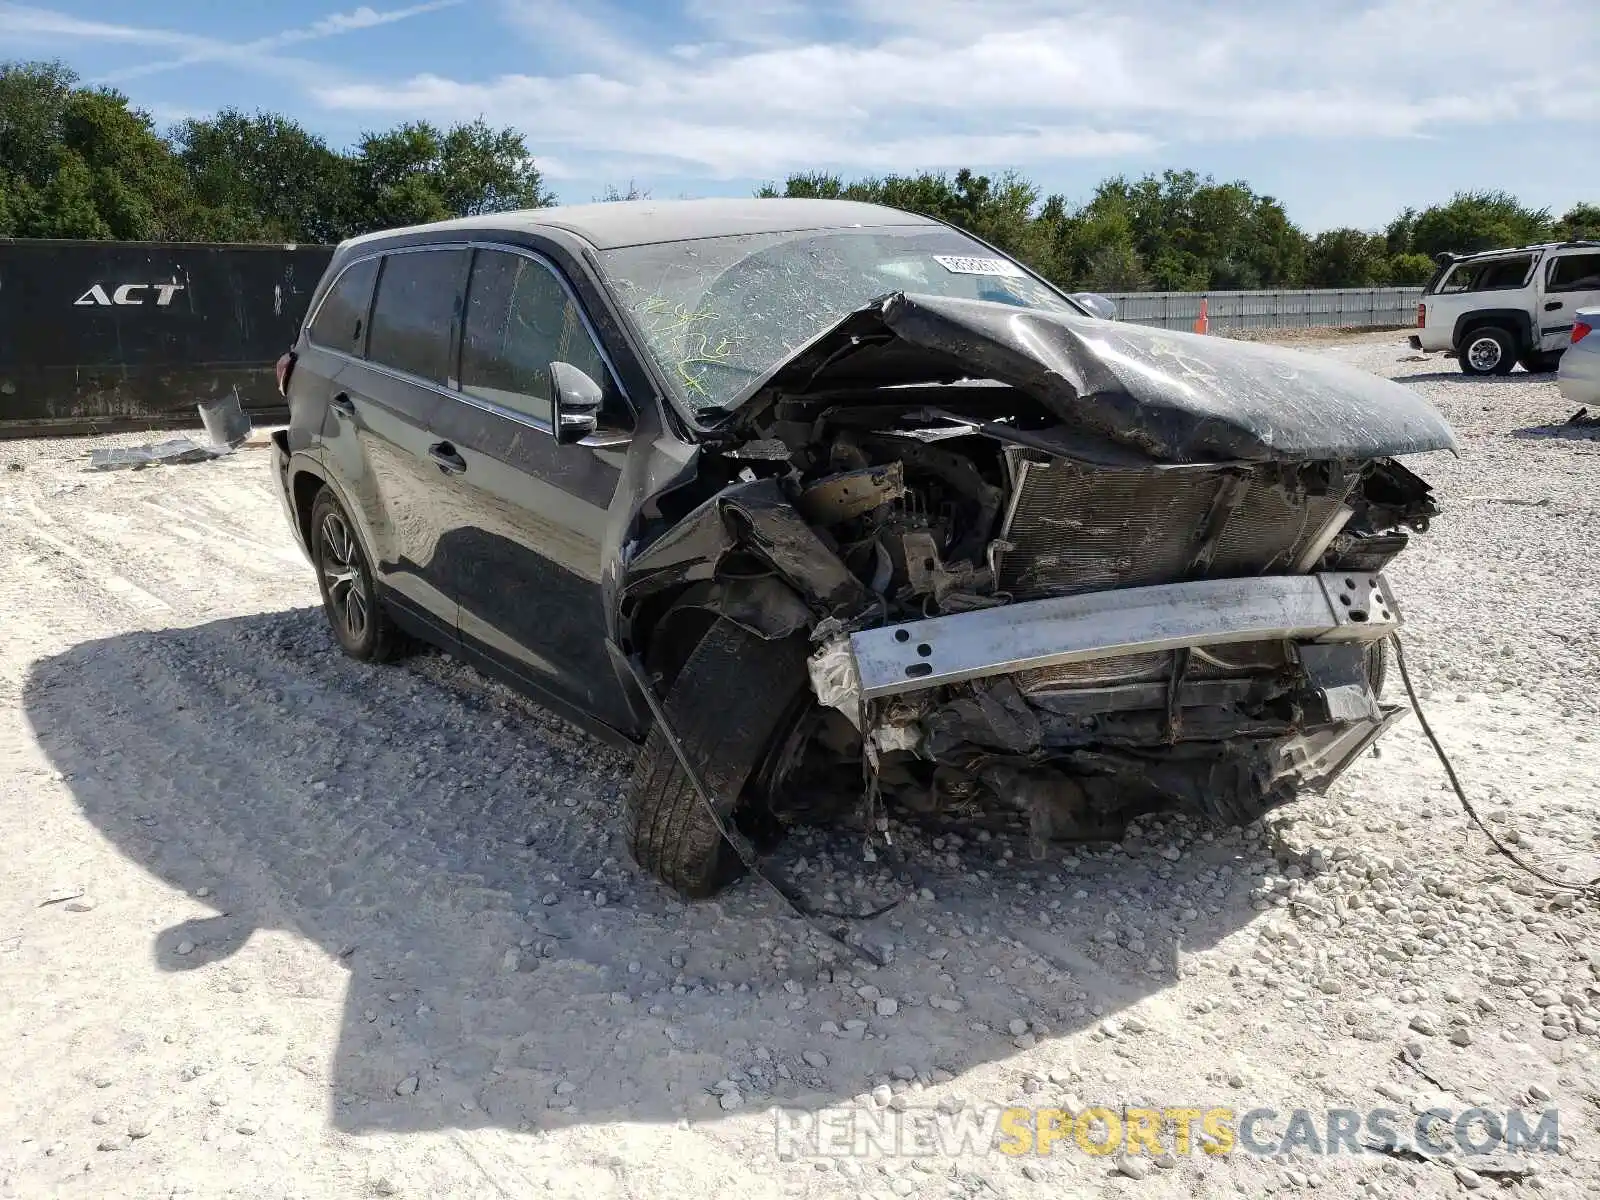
(445, 456)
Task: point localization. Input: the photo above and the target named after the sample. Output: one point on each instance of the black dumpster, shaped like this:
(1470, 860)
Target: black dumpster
(123, 335)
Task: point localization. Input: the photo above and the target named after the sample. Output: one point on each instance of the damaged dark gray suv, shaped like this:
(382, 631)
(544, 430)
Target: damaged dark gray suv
(835, 509)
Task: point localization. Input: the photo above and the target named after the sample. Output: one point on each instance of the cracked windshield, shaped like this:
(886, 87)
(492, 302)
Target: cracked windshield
(719, 313)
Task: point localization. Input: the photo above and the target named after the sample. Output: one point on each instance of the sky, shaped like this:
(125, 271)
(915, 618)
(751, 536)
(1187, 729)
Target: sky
(1346, 111)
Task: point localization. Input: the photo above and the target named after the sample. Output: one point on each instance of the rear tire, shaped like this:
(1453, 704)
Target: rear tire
(733, 696)
(344, 575)
(1488, 350)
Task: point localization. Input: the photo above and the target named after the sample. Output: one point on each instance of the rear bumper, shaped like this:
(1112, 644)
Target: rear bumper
(285, 487)
(1340, 607)
(1579, 376)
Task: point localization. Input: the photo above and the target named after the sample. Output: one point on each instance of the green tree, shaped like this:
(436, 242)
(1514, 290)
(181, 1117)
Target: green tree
(79, 162)
(264, 177)
(1409, 270)
(415, 173)
(811, 185)
(1397, 234)
(66, 206)
(999, 210)
(1092, 248)
(612, 194)
(1347, 258)
(1474, 221)
(33, 97)
(484, 170)
(82, 162)
(1580, 223)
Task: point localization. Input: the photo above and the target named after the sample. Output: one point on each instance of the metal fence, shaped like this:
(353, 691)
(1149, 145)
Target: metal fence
(116, 335)
(1263, 310)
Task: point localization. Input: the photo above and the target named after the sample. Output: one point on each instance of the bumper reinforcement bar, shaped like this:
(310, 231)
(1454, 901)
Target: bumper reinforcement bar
(1337, 607)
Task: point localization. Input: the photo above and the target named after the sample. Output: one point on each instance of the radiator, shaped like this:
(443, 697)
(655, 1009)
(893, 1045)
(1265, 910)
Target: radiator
(1072, 528)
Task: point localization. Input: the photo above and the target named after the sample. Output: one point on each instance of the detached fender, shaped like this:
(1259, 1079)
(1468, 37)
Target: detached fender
(765, 606)
(748, 555)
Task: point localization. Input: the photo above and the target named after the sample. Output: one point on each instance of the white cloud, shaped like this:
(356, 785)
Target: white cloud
(741, 88)
(756, 88)
(366, 17)
(40, 25)
(45, 26)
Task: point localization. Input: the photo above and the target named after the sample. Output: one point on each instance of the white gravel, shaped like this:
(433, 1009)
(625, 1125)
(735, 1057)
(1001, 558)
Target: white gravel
(273, 923)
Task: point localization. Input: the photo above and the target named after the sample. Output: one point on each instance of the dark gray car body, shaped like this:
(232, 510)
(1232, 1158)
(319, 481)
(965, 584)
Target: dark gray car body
(552, 564)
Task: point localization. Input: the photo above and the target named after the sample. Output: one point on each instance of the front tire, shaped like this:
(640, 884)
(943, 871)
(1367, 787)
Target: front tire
(732, 698)
(1488, 350)
(344, 575)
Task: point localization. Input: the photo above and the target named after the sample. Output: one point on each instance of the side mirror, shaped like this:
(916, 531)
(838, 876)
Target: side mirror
(1100, 306)
(577, 402)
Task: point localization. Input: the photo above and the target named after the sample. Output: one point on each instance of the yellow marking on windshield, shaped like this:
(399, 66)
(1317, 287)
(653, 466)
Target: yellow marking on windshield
(683, 339)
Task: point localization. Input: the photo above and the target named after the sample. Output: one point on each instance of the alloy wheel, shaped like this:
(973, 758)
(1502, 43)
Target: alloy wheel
(344, 576)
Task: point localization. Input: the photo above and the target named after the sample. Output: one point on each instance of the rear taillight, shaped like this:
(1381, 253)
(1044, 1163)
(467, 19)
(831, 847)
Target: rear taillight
(1580, 331)
(285, 369)
(1422, 316)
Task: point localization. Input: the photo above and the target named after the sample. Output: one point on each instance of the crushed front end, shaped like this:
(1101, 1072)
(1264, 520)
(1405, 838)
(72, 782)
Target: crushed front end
(1130, 640)
(1061, 571)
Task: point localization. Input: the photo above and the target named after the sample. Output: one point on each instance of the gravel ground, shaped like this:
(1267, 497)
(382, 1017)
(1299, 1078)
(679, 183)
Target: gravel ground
(273, 923)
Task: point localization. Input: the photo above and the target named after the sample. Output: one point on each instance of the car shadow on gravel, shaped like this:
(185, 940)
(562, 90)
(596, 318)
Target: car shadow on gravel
(1458, 377)
(458, 853)
(1574, 431)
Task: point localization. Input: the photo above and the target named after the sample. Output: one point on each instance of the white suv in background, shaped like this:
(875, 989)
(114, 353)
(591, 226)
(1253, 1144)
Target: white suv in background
(1502, 307)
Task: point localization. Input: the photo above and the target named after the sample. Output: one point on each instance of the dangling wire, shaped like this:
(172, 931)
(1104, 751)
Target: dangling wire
(1538, 873)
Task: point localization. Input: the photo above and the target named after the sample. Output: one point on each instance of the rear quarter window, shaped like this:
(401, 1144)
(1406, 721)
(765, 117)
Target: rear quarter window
(1575, 273)
(1487, 275)
(340, 322)
(413, 317)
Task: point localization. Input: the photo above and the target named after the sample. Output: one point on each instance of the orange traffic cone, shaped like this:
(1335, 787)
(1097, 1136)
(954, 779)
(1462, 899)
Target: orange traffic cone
(1202, 323)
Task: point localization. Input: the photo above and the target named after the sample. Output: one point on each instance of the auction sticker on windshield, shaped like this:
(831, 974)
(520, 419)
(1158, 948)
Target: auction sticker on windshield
(960, 264)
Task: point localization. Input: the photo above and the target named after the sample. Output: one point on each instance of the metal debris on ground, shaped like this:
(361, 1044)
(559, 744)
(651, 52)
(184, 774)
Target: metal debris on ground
(171, 452)
(1584, 417)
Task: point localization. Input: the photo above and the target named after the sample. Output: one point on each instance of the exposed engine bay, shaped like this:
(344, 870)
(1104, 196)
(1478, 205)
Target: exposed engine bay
(1013, 613)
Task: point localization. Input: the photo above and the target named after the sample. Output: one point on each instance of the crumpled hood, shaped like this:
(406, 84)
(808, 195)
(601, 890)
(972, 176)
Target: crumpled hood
(1177, 397)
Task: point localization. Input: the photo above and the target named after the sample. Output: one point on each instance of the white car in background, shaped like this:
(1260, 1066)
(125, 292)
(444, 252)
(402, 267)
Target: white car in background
(1580, 365)
(1494, 310)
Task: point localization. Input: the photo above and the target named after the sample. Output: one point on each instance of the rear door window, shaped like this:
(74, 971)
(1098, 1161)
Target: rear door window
(413, 318)
(341, 320)
(1575, 273)
(520, 319)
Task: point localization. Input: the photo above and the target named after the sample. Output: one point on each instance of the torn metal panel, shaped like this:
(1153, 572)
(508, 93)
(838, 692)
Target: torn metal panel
(170, 452)
(1316, 759)
(1337, 684)
(765, 606)
(763, 521)
(838, 498)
